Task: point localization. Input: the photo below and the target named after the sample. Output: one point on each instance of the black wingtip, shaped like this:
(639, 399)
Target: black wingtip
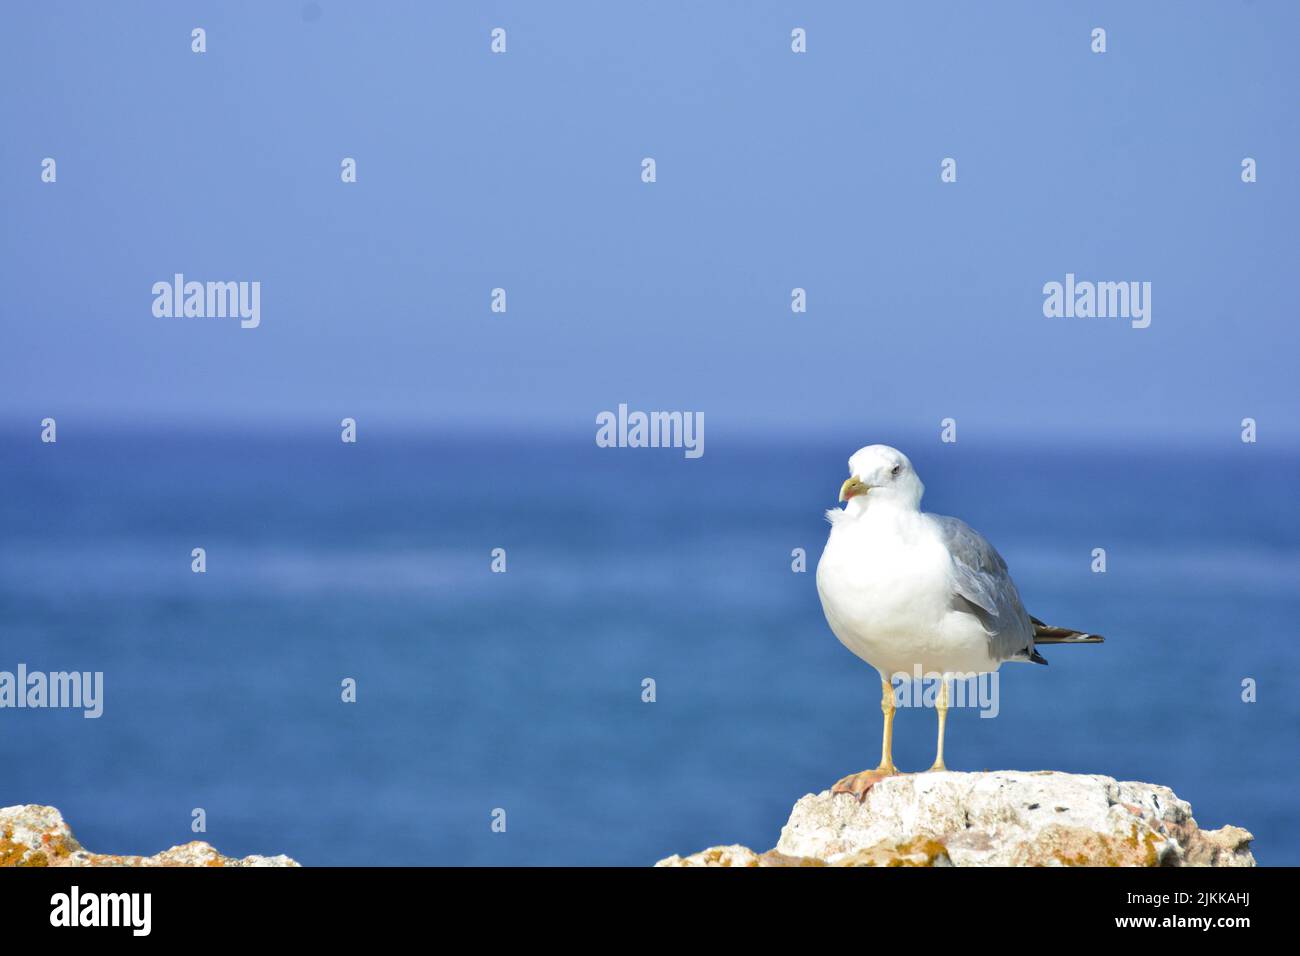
(1051, 634)
(1037, 658)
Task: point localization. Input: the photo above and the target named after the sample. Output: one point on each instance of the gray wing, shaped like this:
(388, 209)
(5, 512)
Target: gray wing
(983, 587)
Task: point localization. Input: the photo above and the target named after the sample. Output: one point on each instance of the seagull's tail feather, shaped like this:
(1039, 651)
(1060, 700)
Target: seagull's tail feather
(1050, 634)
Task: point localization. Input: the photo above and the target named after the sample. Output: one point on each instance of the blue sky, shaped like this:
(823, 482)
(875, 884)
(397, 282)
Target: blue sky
(775, 170)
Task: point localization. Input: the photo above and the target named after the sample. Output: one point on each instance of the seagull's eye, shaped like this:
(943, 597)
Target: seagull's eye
(896, 470)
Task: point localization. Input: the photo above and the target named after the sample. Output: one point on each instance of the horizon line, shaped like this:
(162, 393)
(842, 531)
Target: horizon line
(972, 434)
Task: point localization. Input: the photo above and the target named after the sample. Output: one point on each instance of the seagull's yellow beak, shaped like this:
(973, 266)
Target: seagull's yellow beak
(852, 487)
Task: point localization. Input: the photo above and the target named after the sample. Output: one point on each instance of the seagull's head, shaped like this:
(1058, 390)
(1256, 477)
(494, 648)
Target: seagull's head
(881, 474)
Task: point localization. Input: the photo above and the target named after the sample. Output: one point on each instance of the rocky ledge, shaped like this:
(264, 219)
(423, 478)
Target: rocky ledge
(999, 818)
(37, 836)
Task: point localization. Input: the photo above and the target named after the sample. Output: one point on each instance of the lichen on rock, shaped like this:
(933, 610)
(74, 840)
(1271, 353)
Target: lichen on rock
(33, 835)
(1000, 818)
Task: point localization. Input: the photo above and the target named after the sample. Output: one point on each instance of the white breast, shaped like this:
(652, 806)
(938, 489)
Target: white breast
(886, 588)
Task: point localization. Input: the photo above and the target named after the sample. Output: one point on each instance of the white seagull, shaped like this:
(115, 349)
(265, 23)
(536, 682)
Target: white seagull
(903, 589)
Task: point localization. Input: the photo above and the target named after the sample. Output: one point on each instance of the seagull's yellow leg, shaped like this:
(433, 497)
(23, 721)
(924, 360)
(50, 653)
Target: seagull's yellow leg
(859, 783)
(941, 705)
(887, 742)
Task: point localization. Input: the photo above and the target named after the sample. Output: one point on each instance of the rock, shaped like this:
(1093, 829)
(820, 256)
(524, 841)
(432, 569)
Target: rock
(37, 836)
(735, 856)
(914, 853)
(1000, 818)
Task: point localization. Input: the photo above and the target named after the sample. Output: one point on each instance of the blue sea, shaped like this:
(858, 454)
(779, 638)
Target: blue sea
(522, 691)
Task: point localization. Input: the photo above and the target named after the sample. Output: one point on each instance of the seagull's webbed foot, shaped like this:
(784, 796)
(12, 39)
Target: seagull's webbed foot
(859, 783)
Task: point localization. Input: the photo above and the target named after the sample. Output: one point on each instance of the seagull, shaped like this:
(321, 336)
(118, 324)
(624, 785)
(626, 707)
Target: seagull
(908, 591)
